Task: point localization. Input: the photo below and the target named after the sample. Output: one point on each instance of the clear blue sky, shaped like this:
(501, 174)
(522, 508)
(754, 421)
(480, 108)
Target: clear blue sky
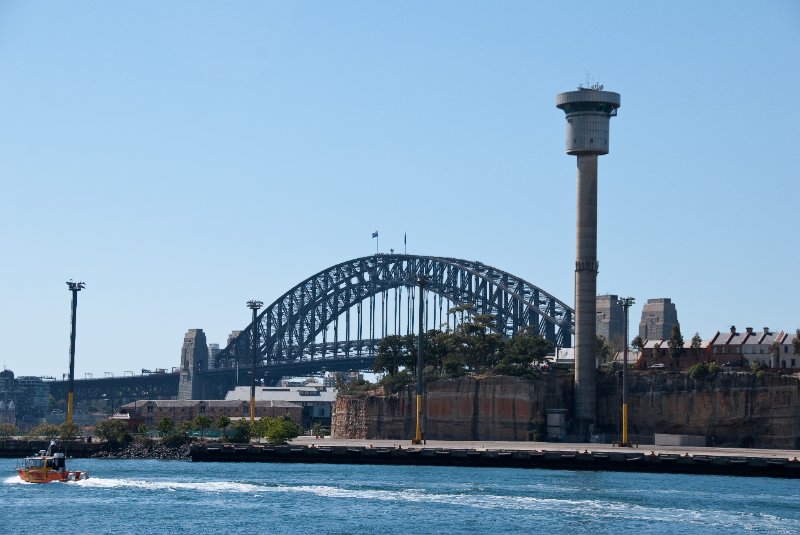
(183, 157)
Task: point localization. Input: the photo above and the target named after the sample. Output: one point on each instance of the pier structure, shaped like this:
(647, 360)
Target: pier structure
(588, 111)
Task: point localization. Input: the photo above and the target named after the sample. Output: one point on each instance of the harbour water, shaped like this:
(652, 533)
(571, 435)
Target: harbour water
(150, 496)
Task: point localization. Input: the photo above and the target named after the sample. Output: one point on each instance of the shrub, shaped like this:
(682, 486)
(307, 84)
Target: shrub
(278, 430)
(7, 430)
(240, 431)
(115, 432)
(698, 371)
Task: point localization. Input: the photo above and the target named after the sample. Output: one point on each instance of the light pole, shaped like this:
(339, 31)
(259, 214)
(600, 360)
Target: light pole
(625, 303)
(74, 287)
(420, 359)
(254, 306)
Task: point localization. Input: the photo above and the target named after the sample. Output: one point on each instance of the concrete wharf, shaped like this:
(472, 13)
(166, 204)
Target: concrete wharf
(564, 456)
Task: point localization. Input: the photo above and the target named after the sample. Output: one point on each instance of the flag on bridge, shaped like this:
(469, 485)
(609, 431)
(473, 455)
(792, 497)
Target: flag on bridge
(375, 234)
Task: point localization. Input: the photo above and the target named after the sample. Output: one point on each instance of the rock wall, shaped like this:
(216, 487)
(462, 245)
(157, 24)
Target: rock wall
(736, 409)
(468, 408)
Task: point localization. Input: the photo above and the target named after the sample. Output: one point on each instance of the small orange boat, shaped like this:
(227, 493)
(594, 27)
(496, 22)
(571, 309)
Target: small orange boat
(47, 467)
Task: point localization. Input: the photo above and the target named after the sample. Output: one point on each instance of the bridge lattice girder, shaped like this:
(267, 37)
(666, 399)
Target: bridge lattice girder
(290, 325)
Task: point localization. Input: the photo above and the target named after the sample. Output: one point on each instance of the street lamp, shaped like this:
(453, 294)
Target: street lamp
(625, 303)
(254, 305)
(74, 287)
(421, 280)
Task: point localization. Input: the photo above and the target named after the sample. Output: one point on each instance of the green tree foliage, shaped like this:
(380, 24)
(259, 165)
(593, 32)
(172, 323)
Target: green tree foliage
(796, 343)
(697, 344)
(202, 423)
(68, 431)
(241, 431)
(675, 343)
(7, 430)
(48, 431)
(392, 354)
(165, 427)
(637, 343)
(397, 382)
(702, 370)
(222, 423)
(657, 350)
(521, 353)
(115, 432)
(604, 353)
(277, 430)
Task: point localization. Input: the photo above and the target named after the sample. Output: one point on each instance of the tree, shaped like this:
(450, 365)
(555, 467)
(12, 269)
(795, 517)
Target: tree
(603, 349)
(222, 423)
(796, 343)
(675, 343)
(657, 350)
(391, 354)
(7, 430)
(165, 427)
(520, 353)
(637, 343)
(696, 344)
(48, 431)
(202, 422)
(68, 431)
(278, 430)
(241, 431)
(115, 432)
(476, 344)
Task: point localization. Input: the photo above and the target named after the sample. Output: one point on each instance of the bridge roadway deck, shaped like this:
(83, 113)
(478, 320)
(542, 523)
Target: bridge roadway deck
(485, 445)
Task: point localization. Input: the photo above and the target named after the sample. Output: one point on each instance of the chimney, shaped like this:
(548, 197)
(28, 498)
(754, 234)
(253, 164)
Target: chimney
(749, 330)
(766, 330)
(733, 329)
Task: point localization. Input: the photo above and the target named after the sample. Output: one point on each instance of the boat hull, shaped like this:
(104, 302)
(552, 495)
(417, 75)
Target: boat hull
(50, 476)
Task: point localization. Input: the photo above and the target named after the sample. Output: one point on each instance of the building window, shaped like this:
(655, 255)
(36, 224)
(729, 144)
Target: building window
(202, 409)
(149, 409)
(792, 363)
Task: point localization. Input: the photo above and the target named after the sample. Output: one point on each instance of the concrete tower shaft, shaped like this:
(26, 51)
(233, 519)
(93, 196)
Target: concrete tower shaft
(588, 112)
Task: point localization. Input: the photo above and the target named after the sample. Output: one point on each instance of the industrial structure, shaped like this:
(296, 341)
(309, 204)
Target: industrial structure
(588, 112)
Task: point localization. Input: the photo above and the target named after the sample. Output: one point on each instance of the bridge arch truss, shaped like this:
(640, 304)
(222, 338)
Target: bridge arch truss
(315, 319)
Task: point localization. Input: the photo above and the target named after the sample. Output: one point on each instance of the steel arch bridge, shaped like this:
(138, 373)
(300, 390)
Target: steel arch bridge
(314, 320)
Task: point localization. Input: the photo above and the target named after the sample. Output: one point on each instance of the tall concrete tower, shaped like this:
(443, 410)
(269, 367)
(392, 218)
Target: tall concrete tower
(588, 112)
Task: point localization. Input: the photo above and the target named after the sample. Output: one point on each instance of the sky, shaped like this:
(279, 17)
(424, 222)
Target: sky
(184, 157)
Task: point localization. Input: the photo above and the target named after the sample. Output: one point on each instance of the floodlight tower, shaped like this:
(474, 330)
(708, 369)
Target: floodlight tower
(588, 111)
(254, 305)
(74, 287)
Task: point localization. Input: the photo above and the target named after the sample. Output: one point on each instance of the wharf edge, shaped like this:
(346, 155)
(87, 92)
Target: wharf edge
(559, 458)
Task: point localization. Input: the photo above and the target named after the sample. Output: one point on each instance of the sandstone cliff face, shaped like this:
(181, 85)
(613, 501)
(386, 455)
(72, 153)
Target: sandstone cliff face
(468, 408)
(734, 408)
(737, 409)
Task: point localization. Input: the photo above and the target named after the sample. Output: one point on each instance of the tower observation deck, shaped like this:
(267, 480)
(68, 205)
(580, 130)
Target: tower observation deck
(588, 111)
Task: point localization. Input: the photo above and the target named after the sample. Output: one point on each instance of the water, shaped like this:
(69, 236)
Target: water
(185, 498)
